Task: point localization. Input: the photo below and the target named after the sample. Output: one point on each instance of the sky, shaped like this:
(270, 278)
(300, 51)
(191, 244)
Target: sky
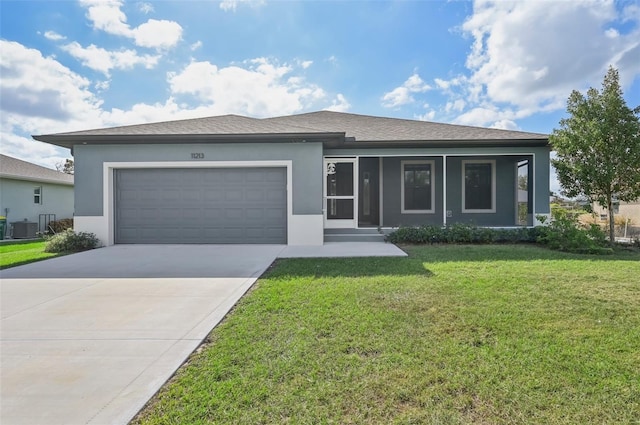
(76, 65)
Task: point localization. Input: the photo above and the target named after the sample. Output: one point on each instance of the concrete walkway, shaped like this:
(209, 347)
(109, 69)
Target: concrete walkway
(89, 338)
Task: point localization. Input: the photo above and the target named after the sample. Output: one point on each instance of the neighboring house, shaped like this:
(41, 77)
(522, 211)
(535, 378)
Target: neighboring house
(293, 179)
(628, 210)
(32, 193)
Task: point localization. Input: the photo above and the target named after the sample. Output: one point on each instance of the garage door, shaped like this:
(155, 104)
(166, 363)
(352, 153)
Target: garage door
(212, 205)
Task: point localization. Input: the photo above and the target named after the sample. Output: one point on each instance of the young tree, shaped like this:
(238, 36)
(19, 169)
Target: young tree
(598, 147)
(67, 167)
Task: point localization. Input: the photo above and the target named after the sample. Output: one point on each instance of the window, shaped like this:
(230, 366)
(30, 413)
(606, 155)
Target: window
(479, 186)
(37, 195)
(417, 187)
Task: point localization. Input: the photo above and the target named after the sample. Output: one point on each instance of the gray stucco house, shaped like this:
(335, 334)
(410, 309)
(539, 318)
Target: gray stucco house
(296, 179)
(29, 192)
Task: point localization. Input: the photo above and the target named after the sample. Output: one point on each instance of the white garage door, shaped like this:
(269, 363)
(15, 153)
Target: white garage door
(201, 205)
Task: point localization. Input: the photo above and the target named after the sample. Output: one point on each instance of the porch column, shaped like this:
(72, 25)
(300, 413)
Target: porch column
(444, 190)
(541, 185)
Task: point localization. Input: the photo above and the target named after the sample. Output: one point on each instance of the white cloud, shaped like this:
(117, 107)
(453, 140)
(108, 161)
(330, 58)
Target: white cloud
(457, 105)
(505, 125)
(306, 64)
(631, 12)
(231, 5)
(39, 95)
(159, 111)
(517, 69)
(29, 150)
(427, 116)
(612, 33)
(157, 34)
(339, 104)
(102, 85)
(145, 8)
(258, 87)
(403, 95)
(104, 61)
(38, 92)
(54, 36)
(196, 45)
(107, 16)
(486, 115)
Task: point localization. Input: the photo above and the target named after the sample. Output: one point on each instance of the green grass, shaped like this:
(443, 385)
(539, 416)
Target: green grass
(450, 335)
(17, 253)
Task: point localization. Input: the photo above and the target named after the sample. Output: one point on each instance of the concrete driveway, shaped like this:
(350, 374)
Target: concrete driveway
(89, 338)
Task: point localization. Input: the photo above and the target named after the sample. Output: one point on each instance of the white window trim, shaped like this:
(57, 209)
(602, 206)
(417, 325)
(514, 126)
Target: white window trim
(39, 195)
(492, 162)
(432, 164)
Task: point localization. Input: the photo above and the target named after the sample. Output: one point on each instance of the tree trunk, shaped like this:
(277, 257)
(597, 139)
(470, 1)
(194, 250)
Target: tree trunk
(612, 223)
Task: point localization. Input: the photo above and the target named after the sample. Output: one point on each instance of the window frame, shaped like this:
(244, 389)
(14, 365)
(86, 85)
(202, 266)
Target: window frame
(432, 165)
(37, 192)
(491, 210)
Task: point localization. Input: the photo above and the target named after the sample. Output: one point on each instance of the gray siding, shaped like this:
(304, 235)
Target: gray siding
(306, 158)
(17, 196)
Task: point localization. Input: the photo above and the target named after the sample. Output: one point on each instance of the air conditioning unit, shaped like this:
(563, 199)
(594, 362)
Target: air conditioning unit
(24, 230)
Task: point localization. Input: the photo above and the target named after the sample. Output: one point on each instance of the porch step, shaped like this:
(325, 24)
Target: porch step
(353, 235)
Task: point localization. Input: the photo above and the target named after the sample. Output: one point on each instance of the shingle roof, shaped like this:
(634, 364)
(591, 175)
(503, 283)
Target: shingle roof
(373, 129)
(17, 169)
(223, 124)
(330, 125)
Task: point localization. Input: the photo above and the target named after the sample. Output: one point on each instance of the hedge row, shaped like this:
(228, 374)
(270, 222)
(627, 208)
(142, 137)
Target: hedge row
(463, 234)
(562, 235)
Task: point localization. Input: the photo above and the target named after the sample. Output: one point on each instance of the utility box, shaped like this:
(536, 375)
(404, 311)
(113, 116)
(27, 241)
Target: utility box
(24, 229)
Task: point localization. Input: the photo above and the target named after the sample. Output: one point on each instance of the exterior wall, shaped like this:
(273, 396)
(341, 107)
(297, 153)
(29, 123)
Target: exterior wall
(391, 199)
(17, 197)
(93, 170)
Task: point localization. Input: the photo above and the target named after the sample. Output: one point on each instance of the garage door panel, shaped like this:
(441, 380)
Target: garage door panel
(274, 196)
(254, 195)
(213, 213)
(191, 195)
(192, 214)
(274, 214)
(225, 205)
(212, 195)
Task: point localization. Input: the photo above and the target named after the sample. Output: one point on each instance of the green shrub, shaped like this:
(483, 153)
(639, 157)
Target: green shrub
(70, 241)
(566, 234)
(61, 225)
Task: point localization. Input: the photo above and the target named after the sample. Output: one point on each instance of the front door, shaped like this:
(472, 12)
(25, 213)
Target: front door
(339, 193)
(369, 192)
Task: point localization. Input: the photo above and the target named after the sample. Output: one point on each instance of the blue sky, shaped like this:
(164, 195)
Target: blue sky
(72, 65)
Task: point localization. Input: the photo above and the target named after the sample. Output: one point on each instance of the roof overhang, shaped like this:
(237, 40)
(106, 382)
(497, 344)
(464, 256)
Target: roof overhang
(335, 140)
(351, 143)
(71, 140)
(35, 179)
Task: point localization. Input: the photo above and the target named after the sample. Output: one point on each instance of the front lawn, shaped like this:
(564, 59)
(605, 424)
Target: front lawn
(22, 252)
(450, 335)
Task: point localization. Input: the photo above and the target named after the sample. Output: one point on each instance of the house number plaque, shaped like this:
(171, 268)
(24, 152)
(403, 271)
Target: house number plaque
(197, 155)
